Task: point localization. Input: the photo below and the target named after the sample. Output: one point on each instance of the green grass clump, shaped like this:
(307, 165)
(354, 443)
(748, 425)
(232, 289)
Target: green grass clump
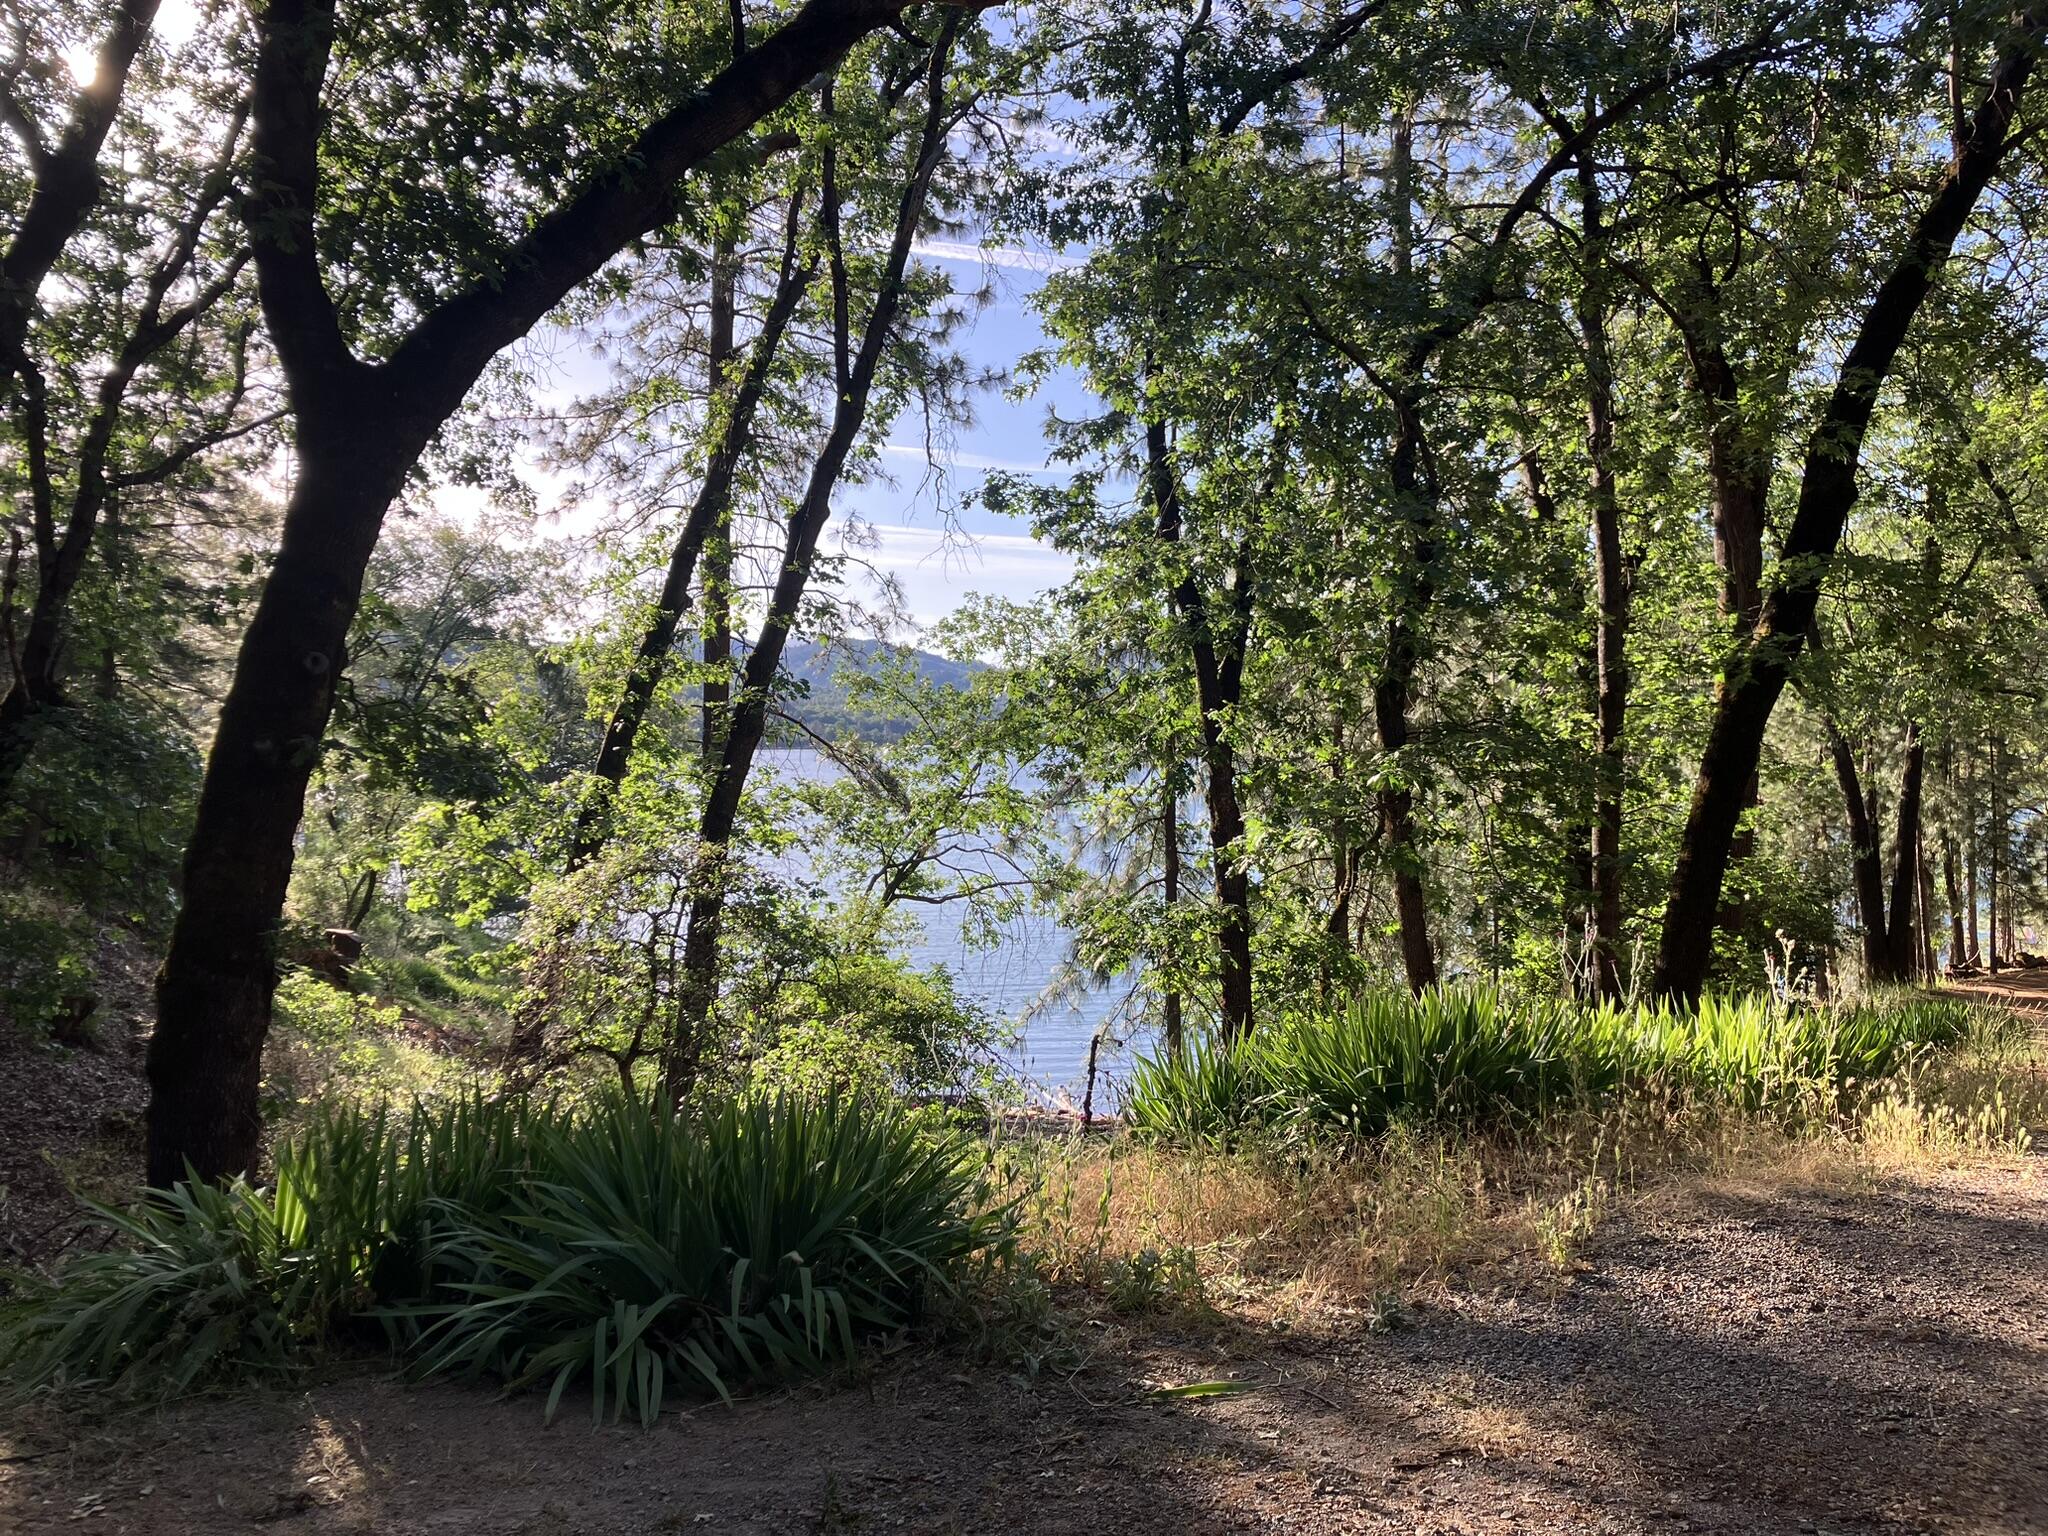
(1474, 1055)
(758, 1240)
(635, 1247)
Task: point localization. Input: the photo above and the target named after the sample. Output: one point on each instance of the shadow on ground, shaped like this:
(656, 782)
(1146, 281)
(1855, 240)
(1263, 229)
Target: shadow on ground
(1764, 1360)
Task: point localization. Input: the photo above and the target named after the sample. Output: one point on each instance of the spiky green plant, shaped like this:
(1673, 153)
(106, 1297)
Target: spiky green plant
(1208, 1094)
(1474, 1054)
(199, 1287)
(630, 1245)
(748, 1242)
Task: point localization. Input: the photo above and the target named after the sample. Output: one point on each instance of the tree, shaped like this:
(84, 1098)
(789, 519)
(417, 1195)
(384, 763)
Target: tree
(360, 426)
(133, 367)
(857, 362)
(1756, 673)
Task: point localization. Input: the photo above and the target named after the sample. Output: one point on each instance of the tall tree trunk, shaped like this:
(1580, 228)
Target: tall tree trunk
(1756, 673)
(1169, 884)
(1899, 938)
(1740, 467)
(1611, 598)
(1866, 857)
(1926, 907)
(1994, 952)
(1971, 898)
(1219, 669)
(1958, 945)
(703, 531)
(213, 993)
(1394, 689)
(65, 182)
(36, 686)
(716, 582)
(1391, 697)
(1343, 857)
(854, 367)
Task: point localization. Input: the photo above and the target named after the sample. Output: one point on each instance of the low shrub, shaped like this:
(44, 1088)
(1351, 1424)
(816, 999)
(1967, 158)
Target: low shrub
(752, 1241)
(327, 1044)
(639, 1248)
(1474, 1056)
(45, 964)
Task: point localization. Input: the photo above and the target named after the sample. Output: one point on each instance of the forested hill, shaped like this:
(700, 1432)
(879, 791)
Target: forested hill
(822, 669)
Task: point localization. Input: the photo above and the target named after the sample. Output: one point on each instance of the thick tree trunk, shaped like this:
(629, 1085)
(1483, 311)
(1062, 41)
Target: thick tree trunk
(1739, 472)
(1866, 858)
(361, 427)
(1899, 942)
(213, 993)
(1757, 672)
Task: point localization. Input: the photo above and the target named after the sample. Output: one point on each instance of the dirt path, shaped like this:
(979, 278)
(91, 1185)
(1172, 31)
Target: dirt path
(1761, 1359)
(2024, 991)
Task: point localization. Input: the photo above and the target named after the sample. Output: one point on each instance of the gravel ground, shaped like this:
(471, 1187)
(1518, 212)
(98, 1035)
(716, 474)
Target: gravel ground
(1738, 1358)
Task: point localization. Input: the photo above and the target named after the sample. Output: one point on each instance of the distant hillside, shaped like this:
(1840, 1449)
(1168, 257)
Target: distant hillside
(829, 712)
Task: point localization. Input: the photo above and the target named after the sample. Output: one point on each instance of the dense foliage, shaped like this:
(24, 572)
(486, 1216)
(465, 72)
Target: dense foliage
(1477, 1055)
(627, 1248)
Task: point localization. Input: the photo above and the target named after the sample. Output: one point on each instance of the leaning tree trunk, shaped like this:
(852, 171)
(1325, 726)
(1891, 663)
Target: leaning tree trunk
(1756, 674)
(854, 371)
(715, 584)
(704, 530)
(361, 427)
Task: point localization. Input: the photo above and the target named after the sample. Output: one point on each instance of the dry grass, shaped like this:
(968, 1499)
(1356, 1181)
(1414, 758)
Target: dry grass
(1287, 1231)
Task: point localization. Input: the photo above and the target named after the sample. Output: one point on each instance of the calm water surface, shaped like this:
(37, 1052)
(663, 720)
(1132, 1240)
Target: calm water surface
(1012, 980)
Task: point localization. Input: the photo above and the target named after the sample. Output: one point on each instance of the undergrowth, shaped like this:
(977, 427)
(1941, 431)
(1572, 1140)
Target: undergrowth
(628, 1248)
(1478, 1057)
(1283, 1215)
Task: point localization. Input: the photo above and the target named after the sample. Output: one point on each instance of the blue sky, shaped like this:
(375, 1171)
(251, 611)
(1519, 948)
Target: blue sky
(938, 547)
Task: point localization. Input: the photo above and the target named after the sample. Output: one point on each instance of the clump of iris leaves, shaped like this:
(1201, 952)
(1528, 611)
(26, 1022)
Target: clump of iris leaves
(636, 1248)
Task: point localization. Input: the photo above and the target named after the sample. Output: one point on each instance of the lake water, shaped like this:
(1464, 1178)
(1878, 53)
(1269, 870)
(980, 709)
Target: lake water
(1053, 1034)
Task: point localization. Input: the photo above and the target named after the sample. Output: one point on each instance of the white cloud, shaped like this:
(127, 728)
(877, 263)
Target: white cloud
(1004, 564)
(1015, 257)
(947, 459)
